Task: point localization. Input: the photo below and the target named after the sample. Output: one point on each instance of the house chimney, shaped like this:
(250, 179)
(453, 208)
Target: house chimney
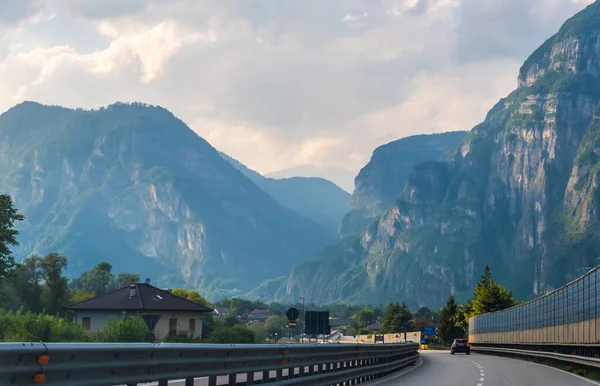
(132, 290)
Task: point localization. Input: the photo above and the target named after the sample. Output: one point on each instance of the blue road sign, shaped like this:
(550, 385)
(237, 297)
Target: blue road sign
(429, 331)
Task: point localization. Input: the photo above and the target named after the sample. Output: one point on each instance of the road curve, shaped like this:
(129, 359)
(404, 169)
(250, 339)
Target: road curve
(441, 368)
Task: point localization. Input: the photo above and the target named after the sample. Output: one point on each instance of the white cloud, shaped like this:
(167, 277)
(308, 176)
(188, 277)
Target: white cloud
(275, 83)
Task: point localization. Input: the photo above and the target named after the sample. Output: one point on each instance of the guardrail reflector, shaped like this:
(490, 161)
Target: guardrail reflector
(39, 378)
(43, 359)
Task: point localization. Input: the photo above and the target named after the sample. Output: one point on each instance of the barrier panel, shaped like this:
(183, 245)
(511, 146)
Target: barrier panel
(111, 364)
(567, 316)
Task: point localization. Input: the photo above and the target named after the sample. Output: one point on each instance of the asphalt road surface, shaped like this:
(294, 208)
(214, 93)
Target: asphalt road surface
(441, 368)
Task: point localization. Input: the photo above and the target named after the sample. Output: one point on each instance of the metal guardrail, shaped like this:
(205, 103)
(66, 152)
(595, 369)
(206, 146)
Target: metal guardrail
(110, 364)
(571, 359)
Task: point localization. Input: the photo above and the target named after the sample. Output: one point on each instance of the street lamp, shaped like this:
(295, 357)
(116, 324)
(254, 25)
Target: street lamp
(303, 317)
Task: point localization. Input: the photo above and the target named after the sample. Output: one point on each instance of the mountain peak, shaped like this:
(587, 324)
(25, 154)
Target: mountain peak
(572, 50)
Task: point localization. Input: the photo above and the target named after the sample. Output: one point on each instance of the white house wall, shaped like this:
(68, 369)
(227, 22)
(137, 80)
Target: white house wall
(99, 319)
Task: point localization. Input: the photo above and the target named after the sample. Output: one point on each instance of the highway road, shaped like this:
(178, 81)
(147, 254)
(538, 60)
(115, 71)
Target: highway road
(441, 368)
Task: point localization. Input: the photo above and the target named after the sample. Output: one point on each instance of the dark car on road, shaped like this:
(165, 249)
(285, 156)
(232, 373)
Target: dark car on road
(460, 345)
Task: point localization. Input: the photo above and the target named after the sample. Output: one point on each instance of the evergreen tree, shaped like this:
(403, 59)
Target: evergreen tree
(396, 318)
(488, 297)
(486, 276)
(448, 330)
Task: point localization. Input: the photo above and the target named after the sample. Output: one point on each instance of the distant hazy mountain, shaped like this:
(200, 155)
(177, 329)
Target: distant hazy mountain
(132, 185)
(316, 198)
(342, 178)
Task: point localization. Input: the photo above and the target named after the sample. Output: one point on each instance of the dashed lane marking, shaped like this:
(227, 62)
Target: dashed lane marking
(481, 372)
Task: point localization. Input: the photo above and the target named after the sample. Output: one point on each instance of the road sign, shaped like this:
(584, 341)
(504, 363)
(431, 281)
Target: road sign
(292, 324)
(293, 313)
(430, 330)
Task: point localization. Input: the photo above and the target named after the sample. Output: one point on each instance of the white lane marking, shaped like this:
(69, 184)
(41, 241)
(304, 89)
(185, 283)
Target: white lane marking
(481, 372)
(392, 377)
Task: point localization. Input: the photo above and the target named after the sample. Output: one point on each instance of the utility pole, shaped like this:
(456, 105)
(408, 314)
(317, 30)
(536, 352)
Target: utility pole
(303, 318)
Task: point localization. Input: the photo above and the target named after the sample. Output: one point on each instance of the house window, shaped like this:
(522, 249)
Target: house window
(86, 322)
(172, 326)
(192, 325)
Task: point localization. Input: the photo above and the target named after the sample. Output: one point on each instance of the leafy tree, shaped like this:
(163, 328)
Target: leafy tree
(351, 330)
(56, 289)
(364, 316)
(461, 318)
(235, 334)
(8, 216)
(241, 306)
(27, 281)
(448, 330)
(260, 332)
(419, 323)
(192, 296)
(229, 320)
(127, 279)
(99, 280)
(275, 323)
(79, 296)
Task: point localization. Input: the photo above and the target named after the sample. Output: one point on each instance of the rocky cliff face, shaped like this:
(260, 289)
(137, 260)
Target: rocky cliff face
(132, 185)
(520, 193)
(381, 181)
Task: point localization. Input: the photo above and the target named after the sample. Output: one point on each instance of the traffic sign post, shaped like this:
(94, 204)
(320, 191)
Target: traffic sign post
(293, 313)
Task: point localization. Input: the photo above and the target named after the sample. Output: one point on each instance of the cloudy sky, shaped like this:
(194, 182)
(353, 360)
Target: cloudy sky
(279, 83)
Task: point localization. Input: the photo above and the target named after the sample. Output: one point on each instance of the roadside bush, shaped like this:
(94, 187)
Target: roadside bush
(182, 337)
(126, 330)
(22, 326)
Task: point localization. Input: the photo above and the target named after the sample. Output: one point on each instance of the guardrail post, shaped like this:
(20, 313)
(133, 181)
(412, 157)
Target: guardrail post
(266, 376)
(212, 380)
(249, 378)
(232, 379)
(189, 381)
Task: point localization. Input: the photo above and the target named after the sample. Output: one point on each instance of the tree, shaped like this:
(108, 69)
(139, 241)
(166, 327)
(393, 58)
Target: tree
(448, 330)
(27, 281)
(489, 296)
(396, 318)
(8, 217)
(99, 280)
(56, 289)
(192, 296)
(486, 276)
(461, 318)
(364, 316)
(235, 334)
(127, 279)
(275, 323)
(260, 332)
